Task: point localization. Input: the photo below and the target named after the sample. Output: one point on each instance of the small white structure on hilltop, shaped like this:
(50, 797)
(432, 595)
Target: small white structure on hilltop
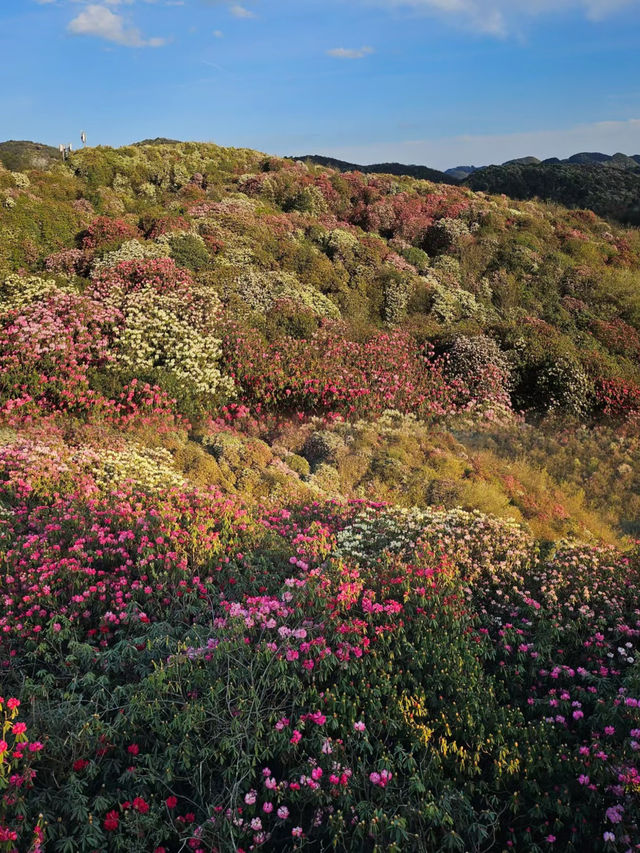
(83, 138)
(65, 150)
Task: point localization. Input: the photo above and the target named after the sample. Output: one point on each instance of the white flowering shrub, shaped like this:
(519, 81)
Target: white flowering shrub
(261, 289)
(563, 386)
(480, 363)
(445, 235)
(131, 250)
(150, 468)
(476, 541)
(21, 180)
(340, 244)
(158, 334)
(451, 303)
(17, 291)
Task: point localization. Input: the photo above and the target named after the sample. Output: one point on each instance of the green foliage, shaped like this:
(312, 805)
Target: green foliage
(189, 250)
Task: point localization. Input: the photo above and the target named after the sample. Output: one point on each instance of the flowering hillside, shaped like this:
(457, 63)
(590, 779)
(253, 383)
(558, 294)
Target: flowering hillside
(319, 503)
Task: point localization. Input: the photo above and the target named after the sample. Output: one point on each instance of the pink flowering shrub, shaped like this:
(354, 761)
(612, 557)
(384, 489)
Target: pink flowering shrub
(353, 658)
(69, 262)
(47, 349)
(158, 274)
(618, 399)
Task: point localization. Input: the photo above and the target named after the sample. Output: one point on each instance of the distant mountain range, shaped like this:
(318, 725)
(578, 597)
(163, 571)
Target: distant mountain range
(585, 158)
(611, 187)
(461, 173)
(423, 173)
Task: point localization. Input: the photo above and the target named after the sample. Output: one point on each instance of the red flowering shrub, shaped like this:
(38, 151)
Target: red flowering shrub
(160, 225)
(113, 564)
(619, 337)
(17, 753)
(328, 374)
(111, 821)
(107, 232)
(140, 404)
(618, 399)
(408, 216)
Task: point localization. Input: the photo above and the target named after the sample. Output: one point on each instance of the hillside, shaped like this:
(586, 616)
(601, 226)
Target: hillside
(319, 508)
(22, 155)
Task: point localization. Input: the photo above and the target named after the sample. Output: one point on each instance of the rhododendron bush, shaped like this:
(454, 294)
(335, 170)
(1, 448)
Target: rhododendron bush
(47, 349)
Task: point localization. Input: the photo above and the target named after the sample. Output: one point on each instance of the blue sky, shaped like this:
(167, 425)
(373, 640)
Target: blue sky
(439, 82)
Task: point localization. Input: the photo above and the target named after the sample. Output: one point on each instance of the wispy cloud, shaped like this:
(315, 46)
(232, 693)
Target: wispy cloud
(350, 52)
(101, 22)
(501, 17)
(239, 11)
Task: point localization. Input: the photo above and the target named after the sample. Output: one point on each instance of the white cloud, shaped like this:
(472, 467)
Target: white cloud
(218, 34)
(102, 23)
(500, 17)
(608, 137)
(349, 52)
(239, 11)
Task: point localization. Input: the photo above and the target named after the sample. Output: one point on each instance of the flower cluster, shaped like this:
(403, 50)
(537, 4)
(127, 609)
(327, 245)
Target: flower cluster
(17, 753)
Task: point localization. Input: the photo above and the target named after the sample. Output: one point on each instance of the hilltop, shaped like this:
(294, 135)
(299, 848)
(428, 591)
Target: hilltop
(607, 184)
(21, 155)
